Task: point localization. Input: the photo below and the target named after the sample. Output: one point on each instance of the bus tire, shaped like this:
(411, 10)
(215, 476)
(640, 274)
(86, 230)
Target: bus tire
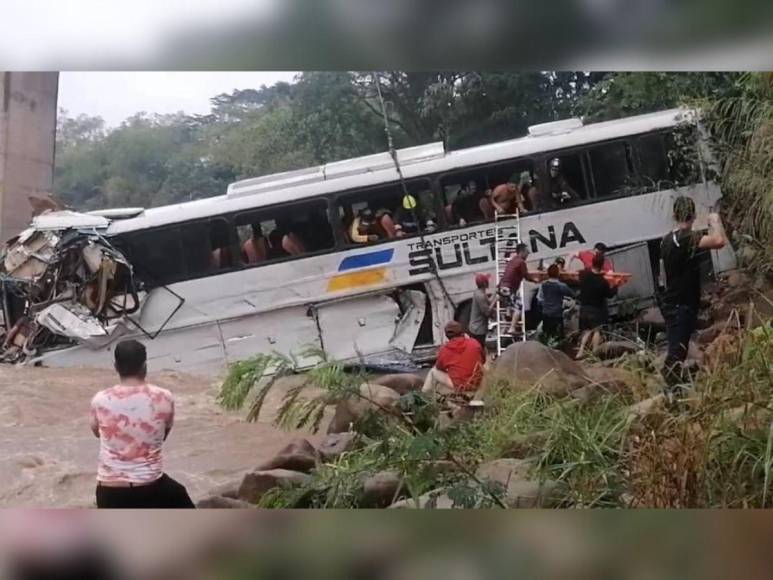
(463, 312)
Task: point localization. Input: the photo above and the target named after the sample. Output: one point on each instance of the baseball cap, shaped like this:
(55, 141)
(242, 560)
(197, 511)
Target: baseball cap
(481, 278)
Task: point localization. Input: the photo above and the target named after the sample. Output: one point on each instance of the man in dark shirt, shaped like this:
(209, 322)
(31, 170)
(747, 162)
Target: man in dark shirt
(516, 272)
(681, 252)
(595, 290)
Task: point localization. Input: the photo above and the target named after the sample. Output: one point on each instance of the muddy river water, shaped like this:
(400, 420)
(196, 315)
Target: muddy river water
(48, 454)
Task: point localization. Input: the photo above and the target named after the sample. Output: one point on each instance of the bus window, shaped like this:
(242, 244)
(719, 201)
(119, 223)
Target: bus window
(566, 181)
(277, 233)
(653, 163)
(380, 214)
(511, 186)
(157, 255)
(612, 169)
(473, 196)
(198, 250)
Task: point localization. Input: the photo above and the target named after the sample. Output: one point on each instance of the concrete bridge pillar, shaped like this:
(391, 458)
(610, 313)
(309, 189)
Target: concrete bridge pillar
(28, 103)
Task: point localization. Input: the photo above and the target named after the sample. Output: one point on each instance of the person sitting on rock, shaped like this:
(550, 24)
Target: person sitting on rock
(459, 365)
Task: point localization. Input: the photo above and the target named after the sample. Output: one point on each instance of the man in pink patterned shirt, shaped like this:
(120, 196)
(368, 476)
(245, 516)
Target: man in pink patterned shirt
(132, 420)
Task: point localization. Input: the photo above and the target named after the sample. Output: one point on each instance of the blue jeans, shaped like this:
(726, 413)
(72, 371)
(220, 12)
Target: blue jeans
(681, 321)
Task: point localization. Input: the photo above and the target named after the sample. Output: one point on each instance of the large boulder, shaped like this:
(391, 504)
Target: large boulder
(612, 380)
(255, 485)
(298, 455)
(229, 489)
(221, 502)
(520, 490)
(614, 349)
(401, 383)
(531, 364)
(336, 444)
(372, 399)
(381, 489)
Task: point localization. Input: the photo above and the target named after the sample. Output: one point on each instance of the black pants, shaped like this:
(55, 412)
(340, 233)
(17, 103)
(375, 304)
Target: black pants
(592, 317)
(681, 321)
(481, 338)
(161, 494)
(553, 327)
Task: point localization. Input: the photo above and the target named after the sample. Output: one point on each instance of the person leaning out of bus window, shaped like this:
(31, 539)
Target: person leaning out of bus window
(255, 249)
(595, 290)
(506, 198)
(561, 193)
(363, 228)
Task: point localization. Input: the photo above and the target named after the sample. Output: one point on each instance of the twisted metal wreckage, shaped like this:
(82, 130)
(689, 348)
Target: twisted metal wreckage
(62, 283)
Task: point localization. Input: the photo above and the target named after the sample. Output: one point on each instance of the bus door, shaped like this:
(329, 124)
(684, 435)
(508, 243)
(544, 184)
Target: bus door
(375, 323)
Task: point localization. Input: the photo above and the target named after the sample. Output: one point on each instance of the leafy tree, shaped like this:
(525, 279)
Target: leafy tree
(633, 93)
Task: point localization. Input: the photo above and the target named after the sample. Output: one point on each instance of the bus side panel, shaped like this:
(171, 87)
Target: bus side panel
(288, 331)
(358, 326)
(193, 349)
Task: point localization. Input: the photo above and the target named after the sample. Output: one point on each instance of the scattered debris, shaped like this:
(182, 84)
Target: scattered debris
(62, 283)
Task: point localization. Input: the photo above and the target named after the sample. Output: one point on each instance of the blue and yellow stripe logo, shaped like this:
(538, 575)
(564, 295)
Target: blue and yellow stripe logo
(360, 271)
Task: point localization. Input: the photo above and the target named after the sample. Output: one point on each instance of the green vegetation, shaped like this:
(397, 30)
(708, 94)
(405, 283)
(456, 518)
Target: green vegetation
(716, 450)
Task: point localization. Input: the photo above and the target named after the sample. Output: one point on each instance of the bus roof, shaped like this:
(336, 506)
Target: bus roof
(374, 170)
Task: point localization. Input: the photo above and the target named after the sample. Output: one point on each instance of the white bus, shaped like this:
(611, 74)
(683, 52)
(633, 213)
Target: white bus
(355, 301)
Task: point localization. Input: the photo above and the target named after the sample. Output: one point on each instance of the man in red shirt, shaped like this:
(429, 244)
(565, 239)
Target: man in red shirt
(459, 365)
(586, 257)
(516, 272)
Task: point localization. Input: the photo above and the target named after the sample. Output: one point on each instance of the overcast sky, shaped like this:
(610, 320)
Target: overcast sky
(114, 96)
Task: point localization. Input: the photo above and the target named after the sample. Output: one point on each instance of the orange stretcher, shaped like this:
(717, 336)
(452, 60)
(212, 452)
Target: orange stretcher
(615, 279)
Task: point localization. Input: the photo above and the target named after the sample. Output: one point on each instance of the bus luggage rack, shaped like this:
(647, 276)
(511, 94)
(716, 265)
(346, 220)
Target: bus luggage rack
(507, 229)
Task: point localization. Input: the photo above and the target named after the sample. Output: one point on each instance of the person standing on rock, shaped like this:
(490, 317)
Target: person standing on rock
(459, 364)
(132, 420)
(681, 251)
(482, 308)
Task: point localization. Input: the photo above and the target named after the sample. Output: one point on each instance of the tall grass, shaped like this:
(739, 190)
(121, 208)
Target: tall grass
(741, 126)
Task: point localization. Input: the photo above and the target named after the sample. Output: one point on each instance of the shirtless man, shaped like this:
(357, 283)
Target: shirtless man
(506, 197)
